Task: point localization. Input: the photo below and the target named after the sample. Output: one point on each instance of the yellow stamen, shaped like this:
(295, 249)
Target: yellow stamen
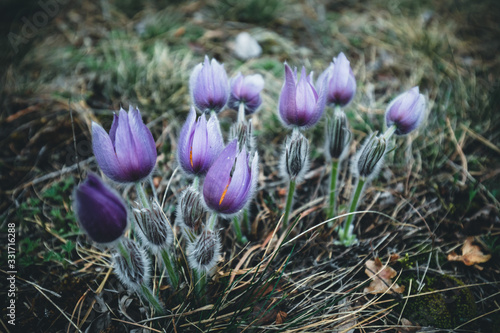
(191, 157)
(224, 193)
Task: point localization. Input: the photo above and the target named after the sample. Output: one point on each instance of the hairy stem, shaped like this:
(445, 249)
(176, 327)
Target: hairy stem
(291, 190)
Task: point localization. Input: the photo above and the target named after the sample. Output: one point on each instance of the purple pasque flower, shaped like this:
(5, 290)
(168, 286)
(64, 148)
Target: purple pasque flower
(340, 81)
(209, 86)
(406, 111)
(101, 213)
(128, 153)
(200, 142)
(246, 90)
(231, 180)
(300, 105)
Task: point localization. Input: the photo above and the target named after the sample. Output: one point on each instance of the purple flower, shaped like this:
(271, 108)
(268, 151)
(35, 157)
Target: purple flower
(406, 111)
(300, 105)
(246, 90)
(231, 180)
(100, 212)
(340, 81)
(199, 144)
(128, 153)
(209, 86)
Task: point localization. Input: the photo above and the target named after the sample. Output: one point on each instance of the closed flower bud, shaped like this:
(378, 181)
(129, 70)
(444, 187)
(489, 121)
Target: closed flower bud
(295, 157)
(204, 252)
(153, 228)
(340, 82)
(190, 213)
(338, 136)
(131, 267)
(371, 156)
(128, 153)
(209, 86)
(300, 104)
(231, 180)
(244, 134)
(406, 111)
(246, 90)
(100, 211)
(200, 142)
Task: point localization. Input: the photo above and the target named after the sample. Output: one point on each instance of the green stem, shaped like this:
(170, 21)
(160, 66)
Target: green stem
(237, 228)
(212, 221)
(333, 189)
(142, 195)
(246, 221)
(196, 182)
(123, 251)
(289, 199)
(170, 267)
(346, 235)
(200, 283)
(241, 113)
(389, 132)
(148, 295)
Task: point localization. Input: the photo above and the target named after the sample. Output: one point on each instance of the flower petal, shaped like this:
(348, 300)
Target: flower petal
(105, 153)
(287, 102)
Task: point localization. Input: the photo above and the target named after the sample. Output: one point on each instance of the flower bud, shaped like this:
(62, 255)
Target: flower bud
(243, 133)
(338, 136)
(204, 252)
(190, 213)
(300, 105)
(200, 143)
(371, 156)
(128, 153)
(131, 267)
(209, 86)
(340, 81)
(295, 157)
(100, 211)
(231, 180)
(153, 228)
(246, 90)
(406, 112)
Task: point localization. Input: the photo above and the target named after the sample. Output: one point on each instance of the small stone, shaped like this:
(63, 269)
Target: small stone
(246, 47)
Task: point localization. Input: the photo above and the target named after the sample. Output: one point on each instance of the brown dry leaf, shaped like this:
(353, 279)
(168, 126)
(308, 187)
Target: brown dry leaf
(408, 326)
(280, 317)
(471, 254)
(382, 278)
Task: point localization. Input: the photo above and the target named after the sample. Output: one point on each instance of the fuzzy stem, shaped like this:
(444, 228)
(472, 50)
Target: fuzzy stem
(170, 267)
(291, 190)
(333, 188)
(246, 221)
(241, 113)
(196, 182)
(153, 189)
(389, 132)
(148, 294)
(123, 251)
(212, 221)
(237, 228)
(346, 235)
(142, 195)
(200, 283)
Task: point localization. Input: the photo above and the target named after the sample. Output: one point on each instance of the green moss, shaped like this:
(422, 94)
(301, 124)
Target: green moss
(442, 309)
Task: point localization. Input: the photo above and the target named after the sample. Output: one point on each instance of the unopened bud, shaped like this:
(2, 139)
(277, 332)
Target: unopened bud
(204, 252)
(338, 136)
(243, 133)
(295, 157)
(131, 264)
(190, 213)
(371, 156)
(153, 228)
